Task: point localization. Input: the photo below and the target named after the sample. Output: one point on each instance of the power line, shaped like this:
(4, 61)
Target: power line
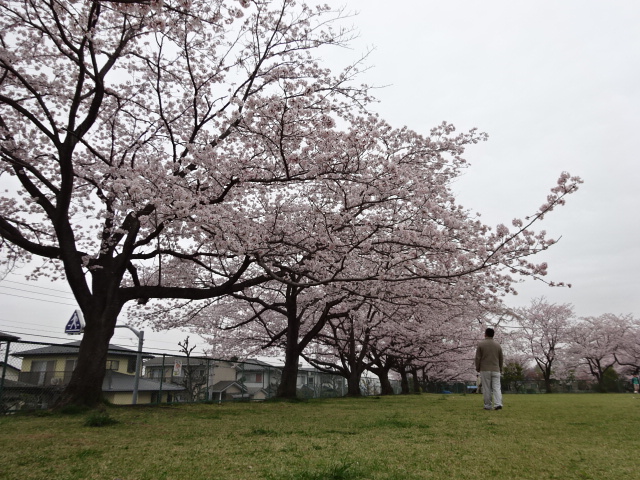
(37, 299)
(150, 344)
(32, 335)
(34, 329)
(37, 286)
(31, 291)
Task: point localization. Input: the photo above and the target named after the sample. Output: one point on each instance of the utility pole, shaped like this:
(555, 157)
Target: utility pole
(136, 380)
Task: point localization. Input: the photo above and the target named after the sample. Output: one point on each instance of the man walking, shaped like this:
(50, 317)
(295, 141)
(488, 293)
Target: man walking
(489, 363)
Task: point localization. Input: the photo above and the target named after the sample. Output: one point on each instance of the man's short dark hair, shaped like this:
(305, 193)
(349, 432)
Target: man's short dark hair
(489, 332)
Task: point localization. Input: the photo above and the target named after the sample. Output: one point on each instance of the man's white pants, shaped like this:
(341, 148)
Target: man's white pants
(491, 388)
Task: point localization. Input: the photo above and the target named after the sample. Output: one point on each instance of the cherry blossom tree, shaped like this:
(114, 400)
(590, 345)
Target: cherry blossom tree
(190, 150)
(543, 333)
(134, 137)
(325, 236)
(399, 226)
(596, 341)
(435, 341)
(342, 346)
(629, 354)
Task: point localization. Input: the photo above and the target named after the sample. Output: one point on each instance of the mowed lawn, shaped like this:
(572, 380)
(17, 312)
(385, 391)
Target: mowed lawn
(560, 436)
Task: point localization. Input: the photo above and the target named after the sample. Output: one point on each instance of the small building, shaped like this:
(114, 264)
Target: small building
(228, 390)
(118, 389)
(49, 368)
(9, 372)
(196, 375)
(260, 379)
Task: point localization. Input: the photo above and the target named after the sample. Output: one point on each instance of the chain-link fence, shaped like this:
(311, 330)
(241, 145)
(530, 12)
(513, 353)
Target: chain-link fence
(33, 376)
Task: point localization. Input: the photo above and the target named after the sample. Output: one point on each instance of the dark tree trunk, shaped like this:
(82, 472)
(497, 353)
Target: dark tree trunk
(287, 387)
(383, 375)
(294, 344)
(416, 381)
(385, 384)
(353, 383)
(547, 380)
(85, 385)
(404, 382)
(381, 365)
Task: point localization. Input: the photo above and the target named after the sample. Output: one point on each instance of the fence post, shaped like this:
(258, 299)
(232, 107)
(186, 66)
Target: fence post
(206, 397)
(161, 379)
(4, 369)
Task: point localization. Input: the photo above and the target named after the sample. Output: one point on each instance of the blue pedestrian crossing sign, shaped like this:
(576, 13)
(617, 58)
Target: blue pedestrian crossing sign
(75, 325)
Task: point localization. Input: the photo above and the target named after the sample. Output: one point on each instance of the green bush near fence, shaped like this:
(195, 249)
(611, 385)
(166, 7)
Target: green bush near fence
(428, 436)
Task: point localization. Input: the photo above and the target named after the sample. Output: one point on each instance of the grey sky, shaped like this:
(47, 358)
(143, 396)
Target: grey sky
(556, 84)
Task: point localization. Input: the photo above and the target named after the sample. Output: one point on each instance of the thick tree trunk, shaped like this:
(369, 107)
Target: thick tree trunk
(353, 384)
(404, 382)
(547, 381)
(416, 381)
(85, 386)
(385, 384)
(287, 387)
(289, 380)
(381, 368)
(383, 376)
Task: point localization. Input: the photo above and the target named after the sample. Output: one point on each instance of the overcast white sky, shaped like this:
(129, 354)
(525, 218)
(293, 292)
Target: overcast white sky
(555, 84)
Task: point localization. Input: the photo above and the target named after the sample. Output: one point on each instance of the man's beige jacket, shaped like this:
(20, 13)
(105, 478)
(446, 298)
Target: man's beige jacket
(489, 356)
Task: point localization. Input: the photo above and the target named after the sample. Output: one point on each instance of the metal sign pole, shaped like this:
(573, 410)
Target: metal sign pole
(136, 380)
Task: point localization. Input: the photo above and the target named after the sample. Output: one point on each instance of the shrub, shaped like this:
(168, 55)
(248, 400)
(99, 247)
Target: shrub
(100, 419)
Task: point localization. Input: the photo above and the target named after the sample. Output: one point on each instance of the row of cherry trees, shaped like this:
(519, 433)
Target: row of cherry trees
(430, 339)
(562, 345)
(196, 161)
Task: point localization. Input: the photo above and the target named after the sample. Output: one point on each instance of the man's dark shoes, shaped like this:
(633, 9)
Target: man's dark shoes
(499, 407)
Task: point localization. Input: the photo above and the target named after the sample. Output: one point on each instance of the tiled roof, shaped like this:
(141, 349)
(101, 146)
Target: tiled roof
(223, 385)
(7, 337)
(168, 361)
(253, 364)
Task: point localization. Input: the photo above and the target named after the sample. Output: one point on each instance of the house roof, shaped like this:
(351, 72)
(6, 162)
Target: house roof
(121, 382)
(7, 337)
(72, 349)
(254, 390)
(168, 361)
(224, 385)
(255, 365)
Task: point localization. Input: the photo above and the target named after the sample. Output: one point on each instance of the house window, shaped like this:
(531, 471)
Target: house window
(42, 371)
(69, 367)
(258, 377)
(70, 364)
(310, 381)
(113, 364)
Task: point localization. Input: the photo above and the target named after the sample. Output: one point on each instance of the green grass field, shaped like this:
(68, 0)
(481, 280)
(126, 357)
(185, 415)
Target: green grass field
(561, 436)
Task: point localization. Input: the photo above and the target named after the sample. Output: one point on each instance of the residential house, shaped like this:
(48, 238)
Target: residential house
(9, 372)
(260, 379)
(202, 378)
(50, 367)
(228, 390)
